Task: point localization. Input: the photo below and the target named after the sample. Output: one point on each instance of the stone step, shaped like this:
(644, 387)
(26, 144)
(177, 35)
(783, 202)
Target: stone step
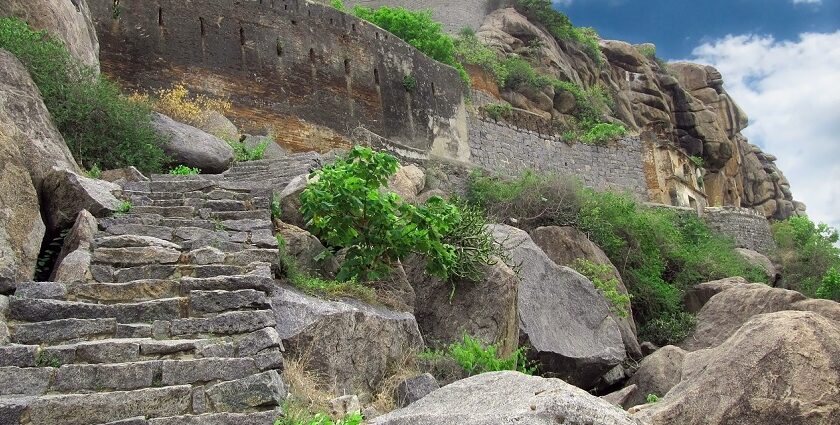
(55, 331)
(259, 418)
(187, 178)
(230, 323)
(228, 283)
(44, 310)
(246, 257)
(263, 214)
(167, 212)
(135, 256)
(137, 290)
(106, 273)
(204, 302)
(18, 355)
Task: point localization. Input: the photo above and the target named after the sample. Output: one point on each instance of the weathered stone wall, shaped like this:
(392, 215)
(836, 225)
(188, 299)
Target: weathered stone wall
(276, 59)
(747, 227)
(510, 150)
(454, 15)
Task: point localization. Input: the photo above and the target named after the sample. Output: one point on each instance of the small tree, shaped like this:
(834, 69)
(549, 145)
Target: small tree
(830, 288)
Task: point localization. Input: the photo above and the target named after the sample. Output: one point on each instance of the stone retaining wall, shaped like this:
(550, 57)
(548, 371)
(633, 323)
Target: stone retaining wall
(747, 227)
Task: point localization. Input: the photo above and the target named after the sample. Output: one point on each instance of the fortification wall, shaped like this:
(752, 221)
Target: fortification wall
(454, 15)
(277, 59)
(747, 227)
(510, 150)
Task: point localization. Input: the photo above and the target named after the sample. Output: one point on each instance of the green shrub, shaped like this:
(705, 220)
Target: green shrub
(183, 170)
(469, 50)
(559, 25)
(410, 83)
(417, 29)
(95, 172)
(830, 287)
(647, 50)
(530, 201)
(697, 161)
(652, 398)
(302, 417)
(124, 208)
(806, 252)
(601, 276)
(476, 357)
(99, 124)
(668, 329)
(602, 133)
(243, 153)
(498, 110)
(347, 208)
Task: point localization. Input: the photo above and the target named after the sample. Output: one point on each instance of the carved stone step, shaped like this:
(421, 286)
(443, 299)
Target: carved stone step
(41, 310)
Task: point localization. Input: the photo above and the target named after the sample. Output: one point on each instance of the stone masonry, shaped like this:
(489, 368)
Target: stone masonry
(509, 150)
(747, 227)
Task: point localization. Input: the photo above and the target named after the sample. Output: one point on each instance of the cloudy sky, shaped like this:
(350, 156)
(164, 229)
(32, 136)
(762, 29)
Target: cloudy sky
(780, 60)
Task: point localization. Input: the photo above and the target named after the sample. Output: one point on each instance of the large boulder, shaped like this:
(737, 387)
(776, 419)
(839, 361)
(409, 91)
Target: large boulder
(21, 227)
(28, 122)
(348, 343)
(407, 182)
(698, 295)
(301, 247)
(564, 246)
(761, 261)
(290, 203)
(508, 398)
(68, 20)
(727, 311)
(562, 317)
(73, 262)
(485, 309)
(777, 369)
(72, 193)
(657, 374)
(192, 147)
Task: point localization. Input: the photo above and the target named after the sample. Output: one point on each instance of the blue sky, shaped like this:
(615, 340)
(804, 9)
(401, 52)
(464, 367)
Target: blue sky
(780, 60)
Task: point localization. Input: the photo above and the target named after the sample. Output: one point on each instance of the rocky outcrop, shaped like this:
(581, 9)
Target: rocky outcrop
(564, 246)
(562, 317)
(727, 311)
(508, 397)
(73, 262)
(657, 374)
(350, 344)
(67, 20)
(777, 369)
(759, 260)
(192, 147)
(72, 193)
(486, 309)
(412, 389)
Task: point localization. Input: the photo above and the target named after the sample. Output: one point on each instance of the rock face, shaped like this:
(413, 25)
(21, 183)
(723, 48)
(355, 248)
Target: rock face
(485, 310)
(562, 317)
(778, 369)
(657, 374)
(74, 259)
(72, 193)
(565, 245)
(725, 312)
(350, 344)
(683, 104)
(69, 21)
(192, 147)
(508, 397)
(761, 261)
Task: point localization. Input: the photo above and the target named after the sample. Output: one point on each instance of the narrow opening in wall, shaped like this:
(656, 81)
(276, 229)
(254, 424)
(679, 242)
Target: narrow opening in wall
(376, 76)
(241, 36)
(115, 12)
(279, 47)
(354, 27)
(294, 22)
(377, 35)
(346, 66)
(160, 16)
(48, 257)
(312, 55)
(332, 21)
(434, 90)
(203, 29)
(309, 13)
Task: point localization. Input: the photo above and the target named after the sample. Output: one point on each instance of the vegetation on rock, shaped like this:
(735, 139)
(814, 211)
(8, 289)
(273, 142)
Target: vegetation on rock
(183, 170)
(477, 357)
(296, 416)
(807, 253)
(177, 103)
(601, 277)
(100, 125)
(347, 207)
(560, 26)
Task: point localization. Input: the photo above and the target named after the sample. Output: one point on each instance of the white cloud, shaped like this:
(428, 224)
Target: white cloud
(791, 92)
(807, 1)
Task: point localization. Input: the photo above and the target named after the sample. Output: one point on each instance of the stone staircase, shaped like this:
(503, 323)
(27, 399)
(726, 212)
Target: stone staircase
(272, 174)
(173, 327)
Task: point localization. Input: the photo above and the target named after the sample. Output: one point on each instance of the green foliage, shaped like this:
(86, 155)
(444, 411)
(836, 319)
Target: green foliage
(293, 416)
(48, 256)
(417, 29)
(652, 398)
(183, 170)
(806, 253)
(347, 208)
(99, 124)
(243, 153)
(498, 110)
(124, 208)
(476, 357)
(410, 83)
(668, 329)
(602, 133)
(338, 4)
(660, 253)
(647, 50)
(830, 288)
(530, 201)
(469, 50)
(94, 172)
(315, 286)
(276, 208)
(559, 25)
(697, 161)
(601, 275)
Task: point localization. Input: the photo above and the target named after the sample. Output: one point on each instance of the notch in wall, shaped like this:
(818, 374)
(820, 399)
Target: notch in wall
(160, 16)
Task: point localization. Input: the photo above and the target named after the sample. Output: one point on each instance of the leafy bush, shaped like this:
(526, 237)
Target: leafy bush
(124, 208)
(530, 201)
(183, 170)
(559, 25)
(243, 153)
(410, 83)
(469, 50)
(668, 329)
(95, 172)
(498, 110)
(347, 208)
(99, 124)
(697, 161)
(602, 133)
(415, 28)
(647, 50)
(476, 357)
(301, 417)
(806, 252)
(177, 103)
(601, 275)
(830, 288)
(652, 398)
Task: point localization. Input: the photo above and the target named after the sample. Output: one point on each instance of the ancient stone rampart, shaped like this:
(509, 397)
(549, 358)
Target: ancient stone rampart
(749, 228)
(279, 60)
